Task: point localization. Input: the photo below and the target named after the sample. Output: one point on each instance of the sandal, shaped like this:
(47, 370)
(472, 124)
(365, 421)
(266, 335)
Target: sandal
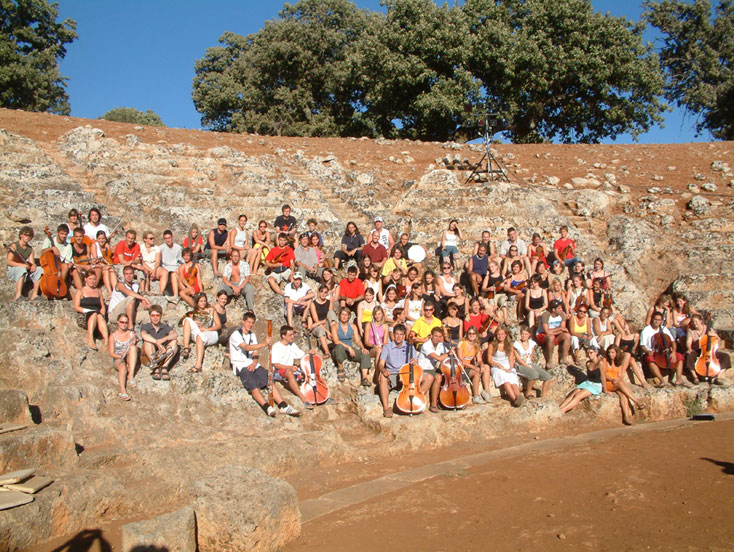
(433, 409)
(156, 374)
(194, 370)
(387, 413)
(132, 383)
(186, 352)
(124, 396)
(341, 376)
(365, 382)
(164, 375)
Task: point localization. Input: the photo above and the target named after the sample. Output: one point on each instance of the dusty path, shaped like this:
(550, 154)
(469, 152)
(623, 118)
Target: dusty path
(664, 486)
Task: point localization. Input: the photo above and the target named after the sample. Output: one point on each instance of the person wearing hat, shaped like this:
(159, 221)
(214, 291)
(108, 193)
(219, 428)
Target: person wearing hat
(552, 331)
(386, 238)
(297, 298)
(218, 243)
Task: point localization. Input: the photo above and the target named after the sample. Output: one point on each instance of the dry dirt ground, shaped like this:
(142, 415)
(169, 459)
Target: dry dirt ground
(667, 489)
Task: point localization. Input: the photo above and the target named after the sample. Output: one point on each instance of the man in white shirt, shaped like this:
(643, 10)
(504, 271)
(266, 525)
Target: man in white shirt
(673, 359)
(170, 259)
(297, 297)
(286, 358)
(386, 238)
(432, 353)
(126, 297)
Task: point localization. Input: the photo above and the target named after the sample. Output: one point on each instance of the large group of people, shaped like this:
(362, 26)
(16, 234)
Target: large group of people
(511, 314)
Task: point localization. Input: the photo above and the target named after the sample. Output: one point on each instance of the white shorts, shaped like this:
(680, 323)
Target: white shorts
(209, 337)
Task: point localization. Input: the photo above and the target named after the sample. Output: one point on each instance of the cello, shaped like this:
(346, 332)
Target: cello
(662, 346)
(707, 364)
(53, 284)
(314, 387)
(454, 393)
(411, 400)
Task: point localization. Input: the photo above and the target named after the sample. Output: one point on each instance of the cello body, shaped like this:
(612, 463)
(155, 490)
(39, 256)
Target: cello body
(314, 387)
(662, 346)
(411, 400)
(454, 394)
(707, 364)
(53, 285)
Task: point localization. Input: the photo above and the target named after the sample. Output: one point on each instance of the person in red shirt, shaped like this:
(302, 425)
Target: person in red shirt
(351, 290)
(565, 244)
(127, 253)
(375, 250)
(280, 261)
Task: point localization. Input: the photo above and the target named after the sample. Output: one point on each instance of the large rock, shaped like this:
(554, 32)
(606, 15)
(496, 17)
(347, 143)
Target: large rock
(14, 407)
(173, 531)
(240, 508)
(37, 447)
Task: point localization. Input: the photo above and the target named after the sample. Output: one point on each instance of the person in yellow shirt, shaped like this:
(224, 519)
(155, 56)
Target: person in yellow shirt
(421, 330)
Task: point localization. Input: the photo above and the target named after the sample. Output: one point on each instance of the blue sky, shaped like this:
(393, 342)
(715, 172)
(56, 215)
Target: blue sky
(141, 54)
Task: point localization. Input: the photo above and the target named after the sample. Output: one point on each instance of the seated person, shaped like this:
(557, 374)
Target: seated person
(450, 244)
(124, 352)
(151, 261)
(393, 356)
(188, 277)
(351, 246)
(319, 323)
(194, 242)
(603, 328)
(202, 327)
(126, 297)
(422, 329)
(171, 258)
(579, 326)
(478, 267)
(395, 262)
(158, 338)
(261, 244)
(312, 224)
(516, 286)
(82, 260)
(307, 261)
(61, 248)
(493, 284)
(297, 298)
(364, 310)
(552, 331)
(386, 238)
(432, 353)
(536, 300)
(500, 356)
(538, 253)
(244, 356)
(127, 253)
(348, 346)
(351, 290)
(376, 336)
(469, 353)
(564, 248)
(375, 251)
(405, 245)
(526, 368)
(102, 256)
(696, 330)
(588, 387)
(285, 359)
(236, 280)
(281, 262)
(612, 370)
(238, 238)
(285, 223)
(89, 303)
(659, 360)
(218, 244)
(94, 224)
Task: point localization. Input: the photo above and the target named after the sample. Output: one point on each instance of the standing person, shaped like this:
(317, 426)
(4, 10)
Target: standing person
(188, 277)
(297, 299)
(238, 237)
(89, 303)
(286, 223)
(151, 256)
(285, 359)
(244, 355)
(386, 238)
(526, 368)
(261, 244)
(450, 244)
(193, 240)
(22, 264)
(203, 328)
(552, 331)
(171, 258)
(351, 246)
(306, 259)
(612, 380)
(124, 352)
(348, 346)
(158, 337)
(281, 262)
(501, 359)
(218, 244)
(127, 297)
(94, 225)
(236, 280)
(396, 353)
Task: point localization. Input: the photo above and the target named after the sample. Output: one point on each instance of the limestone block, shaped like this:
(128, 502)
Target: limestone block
(241, 508)
(172, 531)
(14, 407)
(37, 447)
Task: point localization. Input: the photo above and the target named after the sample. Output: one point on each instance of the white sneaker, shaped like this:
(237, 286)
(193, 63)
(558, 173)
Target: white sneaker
(271, 412)
(290, 411)
(485, 396)
(477, 399)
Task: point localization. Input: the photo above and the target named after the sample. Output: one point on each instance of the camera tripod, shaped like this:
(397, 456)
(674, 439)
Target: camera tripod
(494, 170)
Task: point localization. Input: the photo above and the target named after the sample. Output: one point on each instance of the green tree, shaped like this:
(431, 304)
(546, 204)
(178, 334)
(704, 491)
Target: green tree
(31, 45)
(132, 115)
(698, 57)
(292, 77)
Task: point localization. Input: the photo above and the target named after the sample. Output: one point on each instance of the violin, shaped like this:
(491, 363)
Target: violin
(707, 364)
(564, 252)
(581, 301)
(540, 255)
(411, 400)
(520, 285)
(53, 285)
(314, 387)
(454, 393)
(662, 346)
(489, 324)
(607, 300)
(18, 256)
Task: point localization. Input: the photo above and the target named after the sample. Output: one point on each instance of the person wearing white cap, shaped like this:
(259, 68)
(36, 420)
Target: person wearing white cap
(386, 238)
(297, 298)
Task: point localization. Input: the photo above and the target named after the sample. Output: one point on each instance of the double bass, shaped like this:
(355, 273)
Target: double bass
(707, 364)
(411, 400)
(454, 394)
(314, 387)
(53, 284)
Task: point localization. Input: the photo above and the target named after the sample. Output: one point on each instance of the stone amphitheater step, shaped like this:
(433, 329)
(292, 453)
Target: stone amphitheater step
(710, 282)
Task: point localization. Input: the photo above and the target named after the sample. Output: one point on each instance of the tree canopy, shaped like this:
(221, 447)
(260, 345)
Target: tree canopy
(132, 115)
(698, 58)
(32, 44)
(545, 69)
